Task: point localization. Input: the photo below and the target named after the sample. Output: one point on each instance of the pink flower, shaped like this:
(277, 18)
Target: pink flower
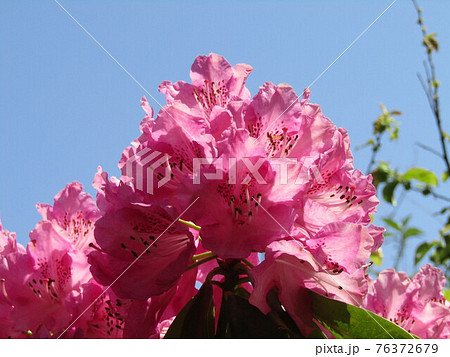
(195, 117)
(287, 126)
(292, 270)
(217, 94)
(73, 214)
(114, 193)
(96, 313)
(123, 235)
(141, 244)
(274, 117)
(319, 136)
(9, 250)
(168, 145)
(415, 304)
(341, 246)
(39, 282)
(8, 243)
(293, 129)
(123, 266)
(342, 196)
(245, 217)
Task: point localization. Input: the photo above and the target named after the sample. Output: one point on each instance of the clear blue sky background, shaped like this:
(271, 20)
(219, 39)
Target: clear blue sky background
(66, 107)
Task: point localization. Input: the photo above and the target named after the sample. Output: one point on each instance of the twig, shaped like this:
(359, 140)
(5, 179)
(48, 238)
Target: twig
(427, 91)
(432, 91)
(432, 193)
(375, 149)
(427, 148)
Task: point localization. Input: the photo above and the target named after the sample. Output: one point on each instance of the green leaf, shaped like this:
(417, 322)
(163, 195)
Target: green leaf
(406, 220)
(384, 166)
(377, 257)
(445, 176)
(391, 223)
(410, 232)
(317, 334)
(445, 229)
(422, 250)
(383, 108)
(430, 42)
(369, 142)
(422, 175)
(446, 293)
(394, 133)
(388, 192)
(348, 321)
(439, 253)
(196, 319)
(382, 172)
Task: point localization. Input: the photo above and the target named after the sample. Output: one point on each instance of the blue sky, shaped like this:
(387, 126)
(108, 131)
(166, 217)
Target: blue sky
(66, 107)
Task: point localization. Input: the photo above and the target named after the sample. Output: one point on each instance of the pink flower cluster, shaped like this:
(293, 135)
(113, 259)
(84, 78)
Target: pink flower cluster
(125, 264)
(415, 304)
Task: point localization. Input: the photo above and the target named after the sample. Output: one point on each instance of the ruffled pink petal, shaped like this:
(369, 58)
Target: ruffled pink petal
(377, 234)
(75, 212)
(212, 68)
(342, 245)
(430, 281)
(342, 196)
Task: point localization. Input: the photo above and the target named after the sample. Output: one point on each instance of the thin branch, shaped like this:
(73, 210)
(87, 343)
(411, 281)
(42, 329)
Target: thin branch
(400, 252)
(400, 201)
(431, 193)
(427, 92)
(375, 148)
(432, 91)
(427, 148)
(427, 73)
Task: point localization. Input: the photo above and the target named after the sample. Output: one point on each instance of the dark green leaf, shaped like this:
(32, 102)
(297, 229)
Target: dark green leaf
(317, 334)
(439, 254)
(422, 250)
(196, 319)
(240, 319)
(381, 173)
(422, 175)
(280, 316)
(388, 192)
(348, 321)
